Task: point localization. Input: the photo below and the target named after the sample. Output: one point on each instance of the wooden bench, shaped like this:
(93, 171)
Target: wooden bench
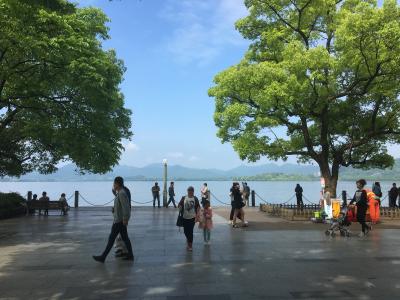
(51, 205)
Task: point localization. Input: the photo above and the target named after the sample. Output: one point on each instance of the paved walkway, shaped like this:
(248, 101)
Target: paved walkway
(50, 258)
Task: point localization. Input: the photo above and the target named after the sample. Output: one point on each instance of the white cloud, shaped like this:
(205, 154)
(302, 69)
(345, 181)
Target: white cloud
(193, 158)
(204, 28)
(131, 147)
(175, 155)
(394, 150)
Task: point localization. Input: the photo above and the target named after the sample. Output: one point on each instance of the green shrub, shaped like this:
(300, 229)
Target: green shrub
(10, 201)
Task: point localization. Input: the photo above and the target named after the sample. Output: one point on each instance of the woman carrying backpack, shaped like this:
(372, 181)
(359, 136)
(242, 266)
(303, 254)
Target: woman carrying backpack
(190, 207)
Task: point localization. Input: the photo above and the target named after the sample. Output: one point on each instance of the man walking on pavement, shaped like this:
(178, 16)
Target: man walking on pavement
(122, 213)
(171, 193)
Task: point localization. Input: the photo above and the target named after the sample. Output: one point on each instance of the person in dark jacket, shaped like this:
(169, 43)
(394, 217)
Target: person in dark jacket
(299, 195)
(32, 211)
(232, 208)
(171, 193)
(237, 204)
(45, 200)
(361, 200)
(393, 194)
(376, 189)
(155, 190)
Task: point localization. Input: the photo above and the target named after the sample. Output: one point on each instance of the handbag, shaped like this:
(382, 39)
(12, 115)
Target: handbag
(179, 220)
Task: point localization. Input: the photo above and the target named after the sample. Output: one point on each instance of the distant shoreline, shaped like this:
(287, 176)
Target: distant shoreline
(262, 173)
(201, 180)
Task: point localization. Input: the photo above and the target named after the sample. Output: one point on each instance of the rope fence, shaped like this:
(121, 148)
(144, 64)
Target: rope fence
(285, 203)
(137, 202)
(92, 204)
(384, 198)
(216, 198)
(290, 199)
(308, 200)
(105, 204)
(260, 197)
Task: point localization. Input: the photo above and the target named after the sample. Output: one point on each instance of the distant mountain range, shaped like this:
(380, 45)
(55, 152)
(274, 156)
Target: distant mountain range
(175, 172)
(269, 171)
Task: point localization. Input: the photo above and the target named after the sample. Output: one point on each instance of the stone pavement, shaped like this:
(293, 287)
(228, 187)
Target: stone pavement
(50, 258)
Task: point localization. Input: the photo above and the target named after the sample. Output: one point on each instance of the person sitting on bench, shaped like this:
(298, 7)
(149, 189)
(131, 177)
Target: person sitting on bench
(64, 205)
(45, 200)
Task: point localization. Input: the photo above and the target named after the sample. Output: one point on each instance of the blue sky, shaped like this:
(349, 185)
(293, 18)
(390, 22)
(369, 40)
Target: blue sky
(172, 50)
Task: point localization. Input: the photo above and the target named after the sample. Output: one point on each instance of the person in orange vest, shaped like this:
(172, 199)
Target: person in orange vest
(361, 200)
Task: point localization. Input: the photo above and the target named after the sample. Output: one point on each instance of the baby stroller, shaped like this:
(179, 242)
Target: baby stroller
(340, 224)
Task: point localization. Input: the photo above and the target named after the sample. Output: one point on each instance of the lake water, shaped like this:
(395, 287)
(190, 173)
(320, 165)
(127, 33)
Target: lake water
(100, 192)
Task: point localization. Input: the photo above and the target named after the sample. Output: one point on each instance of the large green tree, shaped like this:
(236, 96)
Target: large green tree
(326, 72)
(59, 89)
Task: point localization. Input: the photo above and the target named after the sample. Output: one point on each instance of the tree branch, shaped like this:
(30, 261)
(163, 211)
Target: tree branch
(375, 112)
(282, 19)
(8, 119)
(307, 139)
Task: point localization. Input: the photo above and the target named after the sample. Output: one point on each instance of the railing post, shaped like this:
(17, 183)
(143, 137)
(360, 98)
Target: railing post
(76, 199)
(344, 198)
(29, 196)
(253, 198)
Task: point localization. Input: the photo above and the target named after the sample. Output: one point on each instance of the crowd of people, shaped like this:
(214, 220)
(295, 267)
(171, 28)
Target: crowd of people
(393, 193)
(191, 211)
(155, 191)
(361, 200)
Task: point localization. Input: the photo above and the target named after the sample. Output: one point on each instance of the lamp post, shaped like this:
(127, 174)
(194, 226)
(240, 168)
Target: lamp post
(165, 182)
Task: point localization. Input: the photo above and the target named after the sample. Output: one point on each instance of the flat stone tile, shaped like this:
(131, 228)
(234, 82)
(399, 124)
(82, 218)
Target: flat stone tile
(323, 295)
(202, 297)
(316, 260)
(52, 258)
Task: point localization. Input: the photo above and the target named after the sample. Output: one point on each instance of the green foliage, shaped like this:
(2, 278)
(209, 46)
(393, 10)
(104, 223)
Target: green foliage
(59, 89)
(277, 177)
(391, 174)
(325, 71)
(10, 201)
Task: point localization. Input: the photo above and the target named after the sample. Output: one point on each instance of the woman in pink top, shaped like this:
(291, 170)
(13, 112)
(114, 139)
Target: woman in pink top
(206, 222)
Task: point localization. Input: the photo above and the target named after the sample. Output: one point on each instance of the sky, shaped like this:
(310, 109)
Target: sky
(172, 50)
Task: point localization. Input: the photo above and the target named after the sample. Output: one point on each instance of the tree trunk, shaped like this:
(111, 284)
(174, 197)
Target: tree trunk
(331, 178)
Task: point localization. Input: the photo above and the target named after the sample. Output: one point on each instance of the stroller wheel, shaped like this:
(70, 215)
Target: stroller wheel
(333, 234)
(327, 232)
(342, 233)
